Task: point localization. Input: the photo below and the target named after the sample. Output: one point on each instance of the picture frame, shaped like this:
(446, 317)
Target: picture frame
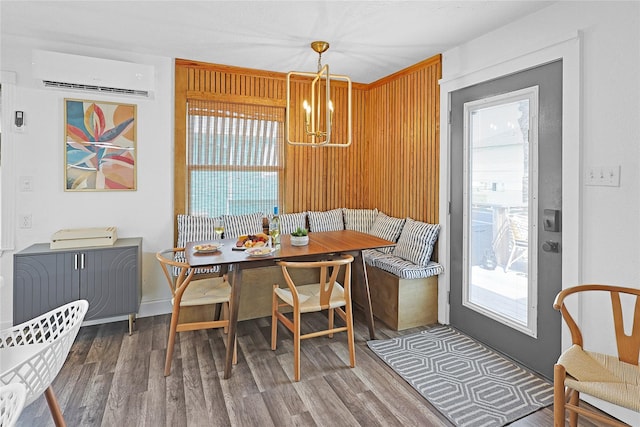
(100, 145)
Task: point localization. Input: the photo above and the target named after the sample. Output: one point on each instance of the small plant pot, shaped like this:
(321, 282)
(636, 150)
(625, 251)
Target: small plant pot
(299, 240)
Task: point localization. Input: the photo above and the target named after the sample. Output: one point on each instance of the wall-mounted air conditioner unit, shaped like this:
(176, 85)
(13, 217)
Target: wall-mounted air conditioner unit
(73, 72)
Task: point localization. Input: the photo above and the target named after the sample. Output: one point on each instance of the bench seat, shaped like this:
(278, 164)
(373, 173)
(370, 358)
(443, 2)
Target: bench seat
(403, 294)
(401, 267)
(403, 280)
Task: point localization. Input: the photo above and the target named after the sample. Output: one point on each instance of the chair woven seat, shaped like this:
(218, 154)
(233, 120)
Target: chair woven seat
(614, 377)
(214, 290)
(309, 297)
(602, 376)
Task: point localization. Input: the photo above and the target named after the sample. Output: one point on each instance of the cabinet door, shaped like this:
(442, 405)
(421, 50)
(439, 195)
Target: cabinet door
(43, 282)
(109, 281)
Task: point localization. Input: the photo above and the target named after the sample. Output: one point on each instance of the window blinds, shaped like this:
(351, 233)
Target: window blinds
(234, 157)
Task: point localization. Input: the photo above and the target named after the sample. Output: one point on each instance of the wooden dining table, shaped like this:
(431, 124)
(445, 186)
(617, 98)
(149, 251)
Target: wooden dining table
(320, 244)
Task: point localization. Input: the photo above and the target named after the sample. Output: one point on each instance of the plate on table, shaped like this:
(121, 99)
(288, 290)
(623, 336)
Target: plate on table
(260, 252)
(207, 248)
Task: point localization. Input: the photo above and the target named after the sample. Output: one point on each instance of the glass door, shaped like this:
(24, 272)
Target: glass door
(499, 196)
(506, 178)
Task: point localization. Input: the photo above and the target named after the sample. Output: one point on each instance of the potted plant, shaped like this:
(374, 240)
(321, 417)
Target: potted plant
(300, 237)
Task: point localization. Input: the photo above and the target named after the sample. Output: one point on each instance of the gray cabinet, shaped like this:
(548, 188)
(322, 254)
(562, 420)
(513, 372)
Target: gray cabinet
(109, 277)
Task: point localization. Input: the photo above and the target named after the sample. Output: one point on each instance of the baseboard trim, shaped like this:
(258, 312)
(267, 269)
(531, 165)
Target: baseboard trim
(147, 309)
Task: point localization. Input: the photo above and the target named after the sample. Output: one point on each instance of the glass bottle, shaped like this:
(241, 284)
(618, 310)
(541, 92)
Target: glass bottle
(274, 228)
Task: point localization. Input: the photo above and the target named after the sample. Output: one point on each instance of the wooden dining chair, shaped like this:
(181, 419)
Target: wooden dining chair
(614, 378)
(189, 290)
(327, 294)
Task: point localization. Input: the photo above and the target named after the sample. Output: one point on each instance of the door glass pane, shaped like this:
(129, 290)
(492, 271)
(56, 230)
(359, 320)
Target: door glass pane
(497, 210)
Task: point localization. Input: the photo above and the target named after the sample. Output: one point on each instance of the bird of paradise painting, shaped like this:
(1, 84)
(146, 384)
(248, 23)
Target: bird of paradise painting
(100, 142)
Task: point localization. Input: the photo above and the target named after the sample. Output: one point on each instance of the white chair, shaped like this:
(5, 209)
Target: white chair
(12, 398)
(33, 352)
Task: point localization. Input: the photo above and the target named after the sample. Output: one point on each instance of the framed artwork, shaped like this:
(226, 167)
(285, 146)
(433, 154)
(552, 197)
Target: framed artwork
(100, 145)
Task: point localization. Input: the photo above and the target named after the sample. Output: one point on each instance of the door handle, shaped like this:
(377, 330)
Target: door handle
(550, 246)
(75, 261)
(551, 220)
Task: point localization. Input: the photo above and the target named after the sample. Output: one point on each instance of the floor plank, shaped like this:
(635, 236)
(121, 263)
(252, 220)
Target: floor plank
(112, 379)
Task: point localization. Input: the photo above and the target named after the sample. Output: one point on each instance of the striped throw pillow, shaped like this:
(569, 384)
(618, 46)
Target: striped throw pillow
(237, 225)
(326, 221)
(416, 241)
(388, 228)
(193, 228)
(291, 221)
(359, 219)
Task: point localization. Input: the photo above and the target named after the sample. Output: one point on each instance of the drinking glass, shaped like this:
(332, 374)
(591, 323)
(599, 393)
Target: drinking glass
(218, 227)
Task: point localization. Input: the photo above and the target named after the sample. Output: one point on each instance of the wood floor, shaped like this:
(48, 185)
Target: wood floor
(113, 379)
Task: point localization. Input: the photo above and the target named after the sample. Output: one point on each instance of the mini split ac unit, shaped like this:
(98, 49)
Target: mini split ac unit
(73, 72)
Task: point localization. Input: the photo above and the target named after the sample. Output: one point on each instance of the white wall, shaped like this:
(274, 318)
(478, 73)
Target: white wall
(605, 246)
(39, 153)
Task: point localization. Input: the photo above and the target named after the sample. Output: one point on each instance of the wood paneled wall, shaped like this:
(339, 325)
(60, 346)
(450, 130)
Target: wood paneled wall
(392, 163)
(403, 115)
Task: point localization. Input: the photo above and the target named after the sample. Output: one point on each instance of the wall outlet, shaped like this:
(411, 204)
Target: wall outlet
(25, 221)
(606, 176)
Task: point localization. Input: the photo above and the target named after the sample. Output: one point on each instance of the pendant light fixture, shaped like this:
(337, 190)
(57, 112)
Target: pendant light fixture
(317, 108)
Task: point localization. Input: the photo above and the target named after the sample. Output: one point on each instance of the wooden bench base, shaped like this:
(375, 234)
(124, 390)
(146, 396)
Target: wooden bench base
(401, 303)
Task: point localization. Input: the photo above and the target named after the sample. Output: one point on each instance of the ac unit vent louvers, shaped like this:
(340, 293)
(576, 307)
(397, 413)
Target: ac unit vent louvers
(63, 71)
(77, 86)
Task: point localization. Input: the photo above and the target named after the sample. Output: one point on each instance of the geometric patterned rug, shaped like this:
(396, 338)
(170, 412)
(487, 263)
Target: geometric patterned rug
(468, 383)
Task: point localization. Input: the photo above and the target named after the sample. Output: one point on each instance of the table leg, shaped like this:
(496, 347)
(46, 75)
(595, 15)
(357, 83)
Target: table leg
(363, 282)
(234, 304)
(132, 319)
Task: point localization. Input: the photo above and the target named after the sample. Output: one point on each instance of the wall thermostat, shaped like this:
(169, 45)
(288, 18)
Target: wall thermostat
(19, 119)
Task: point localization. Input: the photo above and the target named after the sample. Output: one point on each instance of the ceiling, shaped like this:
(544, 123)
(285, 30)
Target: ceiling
(369, 39)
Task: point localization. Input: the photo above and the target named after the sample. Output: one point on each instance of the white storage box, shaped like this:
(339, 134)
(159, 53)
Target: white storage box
(84, 237)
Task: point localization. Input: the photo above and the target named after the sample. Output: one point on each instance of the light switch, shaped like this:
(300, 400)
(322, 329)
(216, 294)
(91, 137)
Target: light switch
(606, 176)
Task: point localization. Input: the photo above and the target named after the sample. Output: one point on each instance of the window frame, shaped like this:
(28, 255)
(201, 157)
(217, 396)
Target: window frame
(185, 169)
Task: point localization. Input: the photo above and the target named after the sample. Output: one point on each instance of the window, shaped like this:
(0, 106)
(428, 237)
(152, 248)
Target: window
(234, 158)
(501, 208)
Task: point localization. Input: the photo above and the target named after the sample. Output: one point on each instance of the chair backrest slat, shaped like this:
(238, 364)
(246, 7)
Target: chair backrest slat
(628, 345)
(327, 279)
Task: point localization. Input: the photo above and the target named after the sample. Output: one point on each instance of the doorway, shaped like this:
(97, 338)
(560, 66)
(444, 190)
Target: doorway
(506, 198)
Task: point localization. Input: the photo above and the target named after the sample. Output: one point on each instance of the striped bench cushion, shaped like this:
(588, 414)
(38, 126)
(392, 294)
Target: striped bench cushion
(388, 228)
(416, 241)
(237, 225)
(326, 221)
(406, 269)
(371, 255)
(359, 219)
(192, 229)
(289, 222)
